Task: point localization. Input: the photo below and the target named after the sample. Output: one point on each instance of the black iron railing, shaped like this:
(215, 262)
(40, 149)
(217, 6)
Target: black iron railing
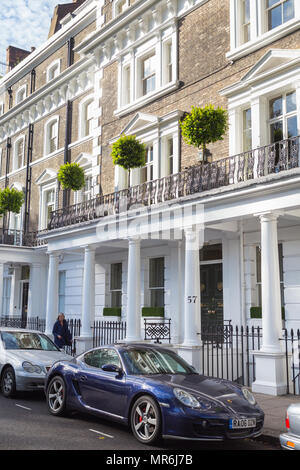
(158, 331)
(32, 323)
(263, 161)
(108, 332)
(20, 238)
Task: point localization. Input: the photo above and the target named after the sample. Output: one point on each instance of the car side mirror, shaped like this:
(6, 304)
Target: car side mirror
(112, 368)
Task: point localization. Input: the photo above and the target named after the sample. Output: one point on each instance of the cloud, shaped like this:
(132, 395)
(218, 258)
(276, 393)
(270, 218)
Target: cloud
(25, 23)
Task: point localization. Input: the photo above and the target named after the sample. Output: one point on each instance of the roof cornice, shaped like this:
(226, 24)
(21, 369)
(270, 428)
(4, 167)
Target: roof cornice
(84, 17)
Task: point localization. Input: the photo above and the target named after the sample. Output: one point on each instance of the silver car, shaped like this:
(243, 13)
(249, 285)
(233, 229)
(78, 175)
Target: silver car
(25, 358)
(291, 439)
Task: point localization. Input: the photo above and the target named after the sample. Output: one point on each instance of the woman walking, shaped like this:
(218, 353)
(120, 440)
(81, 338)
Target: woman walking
(61, 332)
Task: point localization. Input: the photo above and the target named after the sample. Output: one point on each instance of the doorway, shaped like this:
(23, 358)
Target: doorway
(211, 288)
(24, 302)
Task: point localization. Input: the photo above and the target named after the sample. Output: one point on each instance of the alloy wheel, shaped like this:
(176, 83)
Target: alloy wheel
(56, 396)
(146, 420)
(8, 382)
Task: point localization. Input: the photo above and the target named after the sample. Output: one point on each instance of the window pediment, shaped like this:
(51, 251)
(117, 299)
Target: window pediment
(271, 61)
(47, 176)
(272, 64)
(84, 159)
(139, 123)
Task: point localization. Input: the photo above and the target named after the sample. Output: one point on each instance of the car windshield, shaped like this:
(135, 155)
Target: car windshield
(27, 340)
(144, 361)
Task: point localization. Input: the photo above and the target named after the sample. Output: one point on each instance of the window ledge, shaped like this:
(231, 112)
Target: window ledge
(147, 99)
(263, 40)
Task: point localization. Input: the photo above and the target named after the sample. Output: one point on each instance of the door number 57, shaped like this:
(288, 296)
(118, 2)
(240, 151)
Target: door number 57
(192, 299)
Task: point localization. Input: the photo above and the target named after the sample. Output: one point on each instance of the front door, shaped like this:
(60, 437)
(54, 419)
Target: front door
(24, 302)
(211, 288)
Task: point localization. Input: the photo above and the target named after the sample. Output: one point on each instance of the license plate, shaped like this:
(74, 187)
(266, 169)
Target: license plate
(242, 423)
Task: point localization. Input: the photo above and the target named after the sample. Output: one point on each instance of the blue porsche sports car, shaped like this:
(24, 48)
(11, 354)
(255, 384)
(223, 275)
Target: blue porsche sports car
(155, 391)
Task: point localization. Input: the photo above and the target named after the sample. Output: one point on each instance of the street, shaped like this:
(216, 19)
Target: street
(25, 424)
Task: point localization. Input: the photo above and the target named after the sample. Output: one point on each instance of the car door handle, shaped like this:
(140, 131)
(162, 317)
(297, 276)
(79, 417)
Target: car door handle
(82, 378)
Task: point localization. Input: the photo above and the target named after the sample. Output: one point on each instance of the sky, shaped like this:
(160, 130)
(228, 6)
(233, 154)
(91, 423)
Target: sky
(25, 23)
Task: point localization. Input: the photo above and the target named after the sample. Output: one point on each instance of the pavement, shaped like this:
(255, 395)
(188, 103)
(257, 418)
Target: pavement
(275, 408)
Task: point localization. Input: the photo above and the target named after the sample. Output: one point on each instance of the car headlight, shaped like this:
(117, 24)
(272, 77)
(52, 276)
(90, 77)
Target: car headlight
(31, 368)
(249, 396)
(186, 398)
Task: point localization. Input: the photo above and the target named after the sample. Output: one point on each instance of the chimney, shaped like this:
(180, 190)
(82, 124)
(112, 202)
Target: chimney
(14, 56)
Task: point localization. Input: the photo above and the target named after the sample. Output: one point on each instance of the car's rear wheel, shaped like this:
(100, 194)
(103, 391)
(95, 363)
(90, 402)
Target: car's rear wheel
(8, 382)
(56, 396)
(146, 420)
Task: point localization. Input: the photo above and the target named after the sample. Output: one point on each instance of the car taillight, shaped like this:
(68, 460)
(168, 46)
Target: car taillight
(287, 422)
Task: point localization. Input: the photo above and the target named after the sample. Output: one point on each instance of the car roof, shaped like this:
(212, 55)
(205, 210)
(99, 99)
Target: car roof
(18, 330)
(123, 346)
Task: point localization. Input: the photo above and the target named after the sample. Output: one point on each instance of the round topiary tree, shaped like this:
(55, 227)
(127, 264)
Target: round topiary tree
(71, 176)
(11, 200)
(128, 152)
(203, 126)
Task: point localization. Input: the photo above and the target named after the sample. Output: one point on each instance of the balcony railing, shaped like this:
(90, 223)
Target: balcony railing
(19, 238)
(254, 164)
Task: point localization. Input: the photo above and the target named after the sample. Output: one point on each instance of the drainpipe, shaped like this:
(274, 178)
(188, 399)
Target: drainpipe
(242, 275)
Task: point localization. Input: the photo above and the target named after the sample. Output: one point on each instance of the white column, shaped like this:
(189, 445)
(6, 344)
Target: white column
(270, 360)
(88, 292)
(2, 265)
(133, 320)
(192, 301)
(270, 284)
(176, 278)
(52, 292)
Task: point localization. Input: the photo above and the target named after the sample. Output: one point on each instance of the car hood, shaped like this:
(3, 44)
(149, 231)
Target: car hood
(42, 358)
(221, 391)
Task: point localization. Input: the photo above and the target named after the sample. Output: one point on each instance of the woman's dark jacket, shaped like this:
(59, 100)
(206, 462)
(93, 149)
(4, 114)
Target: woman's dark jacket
(63, 331)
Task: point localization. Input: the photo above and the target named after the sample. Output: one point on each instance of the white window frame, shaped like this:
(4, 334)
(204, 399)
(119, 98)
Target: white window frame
(46, 181)
(62, 275)
(1, 108)
(47, 127)
(85, 161)
(155, 133)
(44, 210)
(130, 99)
(53, 70)
(252, 92)
(15, 153)
(260, 36)
(21, 94)
(83, 105)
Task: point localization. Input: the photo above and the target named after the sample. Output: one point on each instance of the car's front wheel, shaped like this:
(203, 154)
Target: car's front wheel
(56, 396)
(146, 420)
(8, 382)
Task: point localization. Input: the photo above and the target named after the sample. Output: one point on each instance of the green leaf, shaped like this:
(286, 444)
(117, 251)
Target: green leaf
(128, 152)
(11, 200)
(71, 176)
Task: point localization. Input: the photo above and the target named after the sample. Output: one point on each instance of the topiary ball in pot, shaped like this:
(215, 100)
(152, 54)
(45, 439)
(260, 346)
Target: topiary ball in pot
(71, 176)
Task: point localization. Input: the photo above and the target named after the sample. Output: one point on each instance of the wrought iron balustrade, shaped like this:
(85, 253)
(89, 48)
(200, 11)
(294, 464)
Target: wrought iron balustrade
(158, 331)
(254, 164)
(19, 238)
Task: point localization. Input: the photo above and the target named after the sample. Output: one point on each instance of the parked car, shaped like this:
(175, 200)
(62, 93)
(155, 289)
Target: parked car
(291, 439)
(25, 358)
(154, 391)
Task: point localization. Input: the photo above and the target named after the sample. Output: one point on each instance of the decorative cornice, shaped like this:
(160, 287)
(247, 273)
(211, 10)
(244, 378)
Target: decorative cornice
(144, 18)
(85, 16)
(70, 84)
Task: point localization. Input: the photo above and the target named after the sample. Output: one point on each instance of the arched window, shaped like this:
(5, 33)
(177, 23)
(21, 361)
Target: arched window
(51, 135)
(86, 117)
(53, 70)
(19, 153)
